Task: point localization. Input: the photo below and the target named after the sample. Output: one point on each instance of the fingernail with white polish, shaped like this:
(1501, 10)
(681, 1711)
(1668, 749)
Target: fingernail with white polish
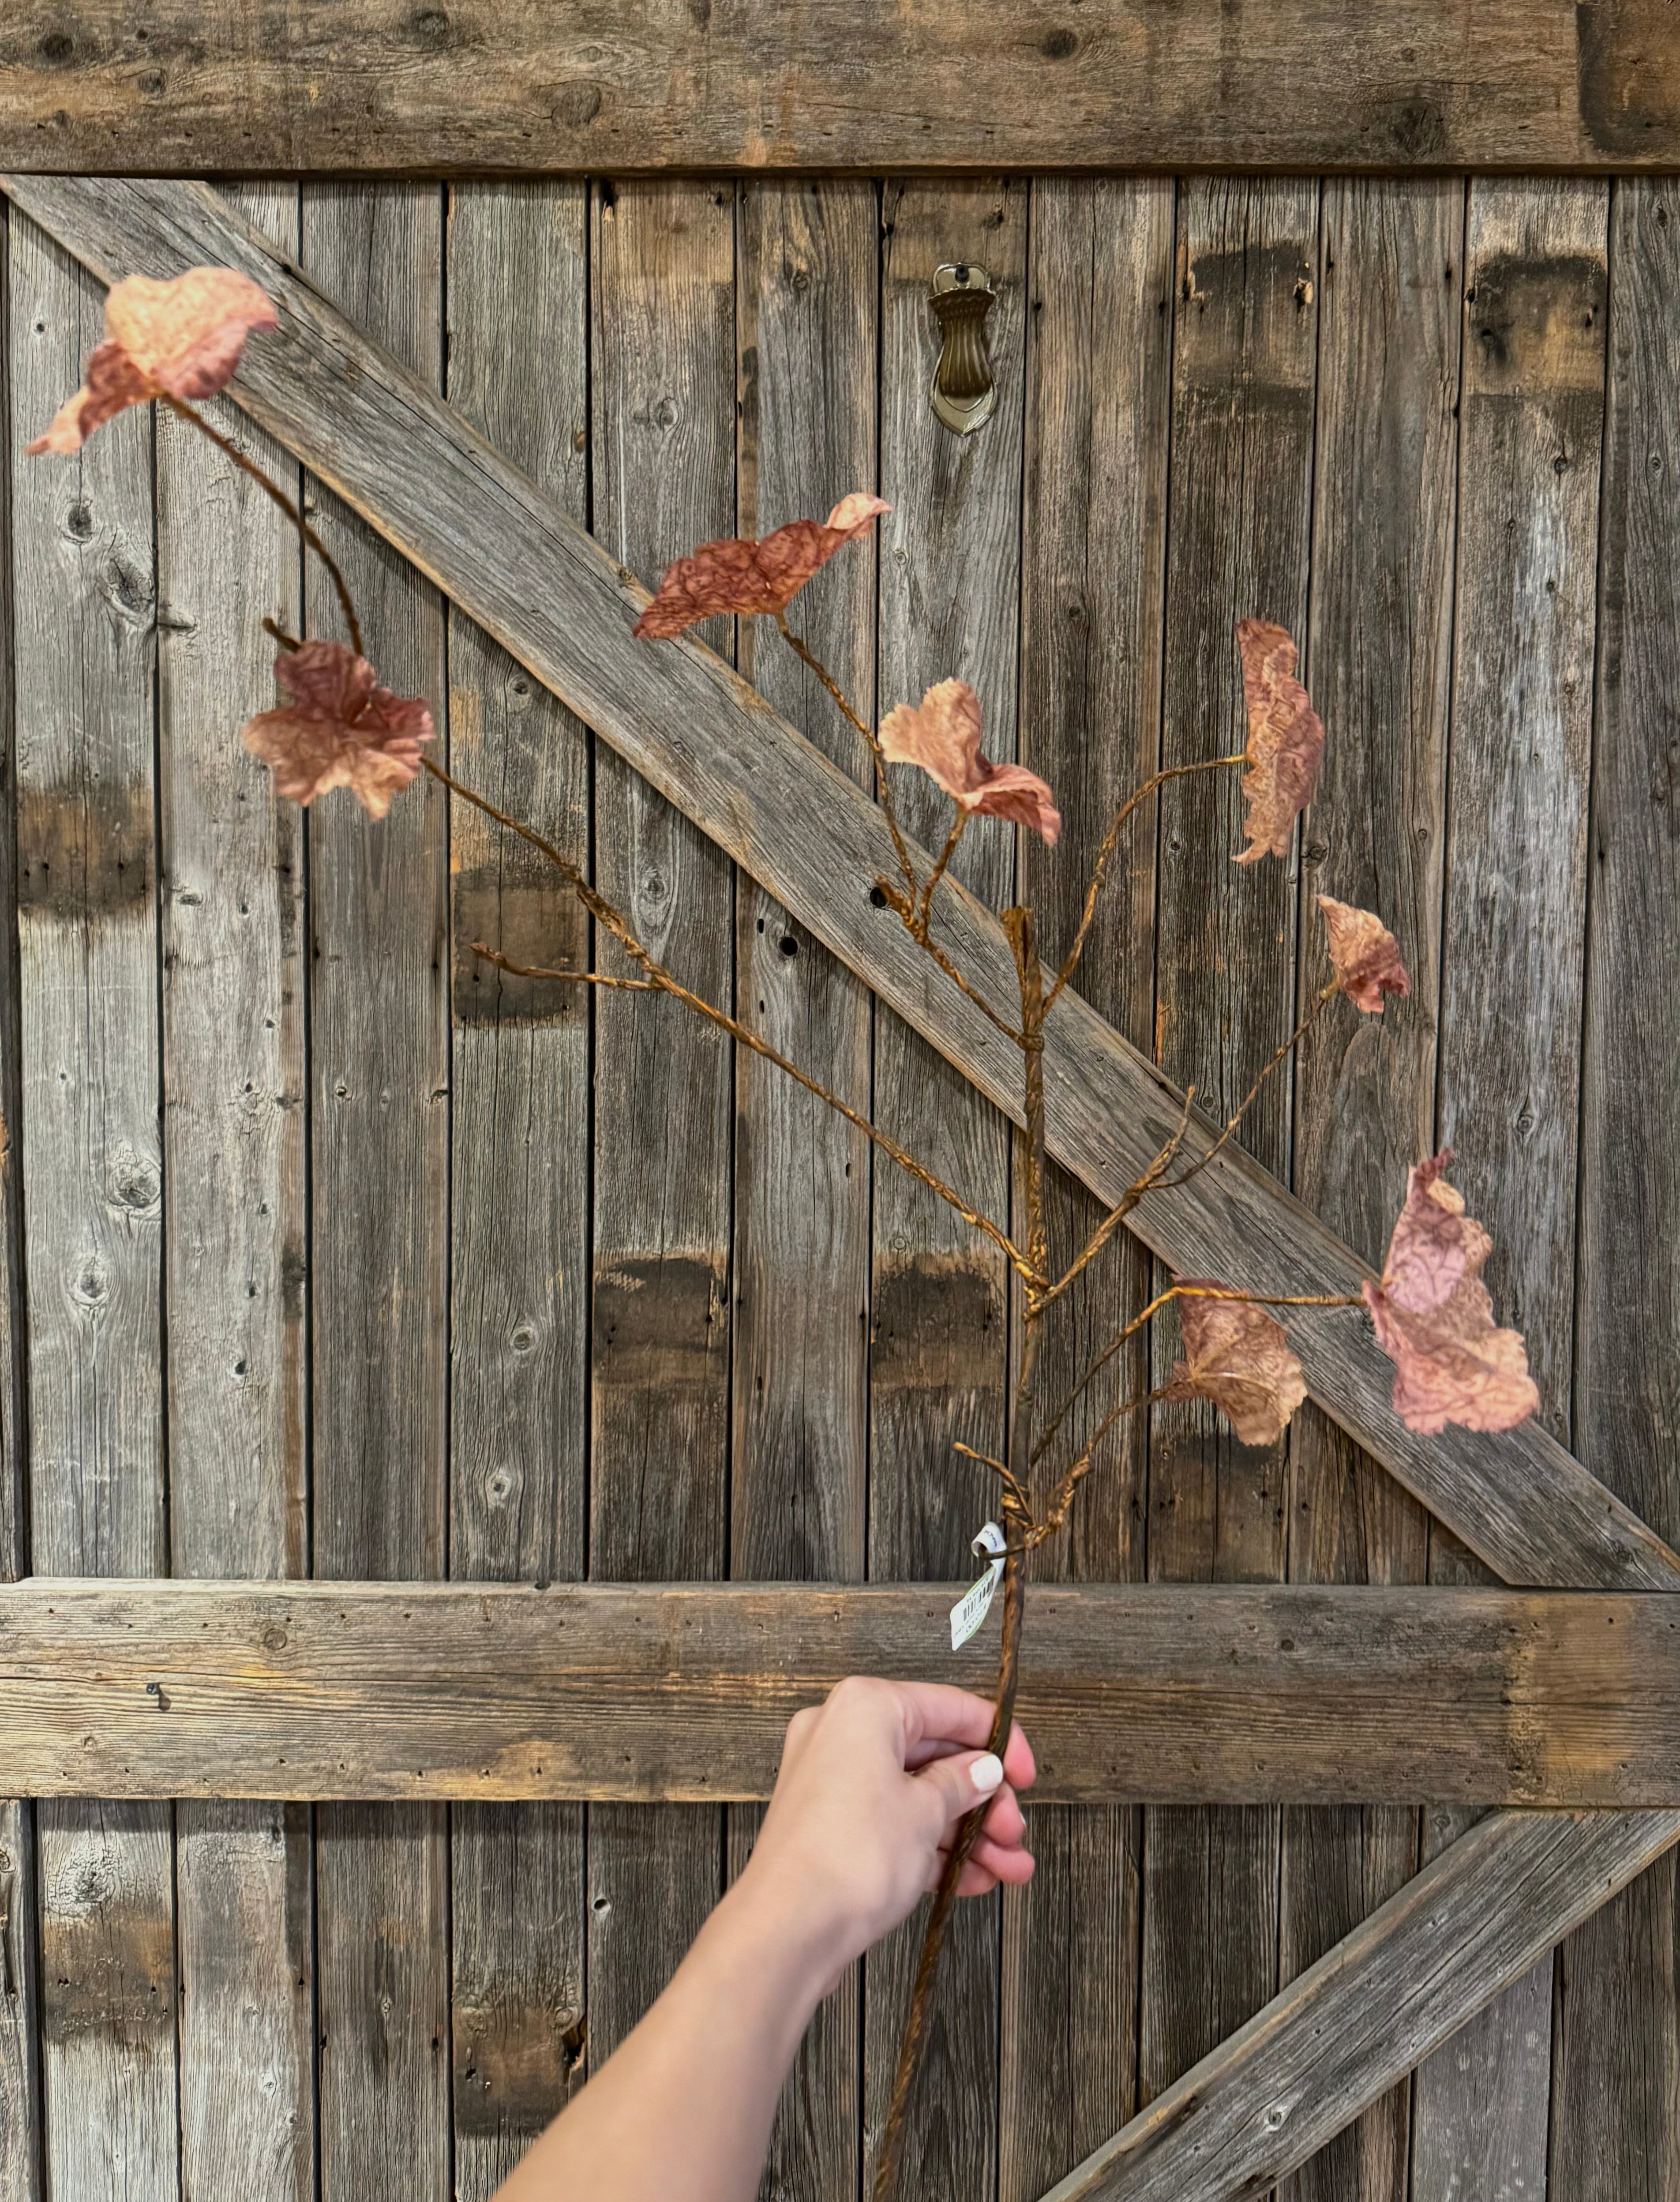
(986, 1772)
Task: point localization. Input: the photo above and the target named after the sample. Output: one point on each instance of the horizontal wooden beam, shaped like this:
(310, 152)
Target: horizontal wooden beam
(815, 840)
(391, 86)
(1370, 2012)
(642, 1693)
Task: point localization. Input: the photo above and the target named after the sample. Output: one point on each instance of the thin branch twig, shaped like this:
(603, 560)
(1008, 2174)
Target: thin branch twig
(292, 511)
(808, 658)
(1069, 962)
(663, 981)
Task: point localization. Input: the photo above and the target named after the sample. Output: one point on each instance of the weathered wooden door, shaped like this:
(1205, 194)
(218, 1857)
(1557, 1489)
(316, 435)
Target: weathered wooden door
(333, 1252)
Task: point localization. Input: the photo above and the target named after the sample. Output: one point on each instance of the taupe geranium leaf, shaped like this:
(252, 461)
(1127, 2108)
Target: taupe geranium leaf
(1366, 953)
(744, 575)
(340, 729)
(1239, 1357)
(1434, 1321)
(1286, 739)
(942, 735)
(182, 339)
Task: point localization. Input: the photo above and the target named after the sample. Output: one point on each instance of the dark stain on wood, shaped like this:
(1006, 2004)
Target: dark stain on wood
(513, 2067)
(85, 851)
(112, 1971)
(531, 921)
(937, 1325)
(1537, 326)
(1627, 74)
(658, 1324)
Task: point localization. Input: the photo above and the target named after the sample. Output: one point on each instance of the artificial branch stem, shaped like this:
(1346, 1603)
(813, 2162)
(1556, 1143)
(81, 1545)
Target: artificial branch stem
(1069, 962)
(808, 658)
(293, 512)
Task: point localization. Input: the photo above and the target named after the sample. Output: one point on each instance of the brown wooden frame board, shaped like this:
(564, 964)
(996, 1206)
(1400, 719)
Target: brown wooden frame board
(681, 1693)
(542, 86)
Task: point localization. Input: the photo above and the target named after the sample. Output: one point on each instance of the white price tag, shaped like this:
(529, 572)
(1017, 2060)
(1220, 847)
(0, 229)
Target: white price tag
(972, 1607)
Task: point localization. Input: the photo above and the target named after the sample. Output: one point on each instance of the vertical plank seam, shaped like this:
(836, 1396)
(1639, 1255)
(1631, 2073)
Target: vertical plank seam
(21, 1928)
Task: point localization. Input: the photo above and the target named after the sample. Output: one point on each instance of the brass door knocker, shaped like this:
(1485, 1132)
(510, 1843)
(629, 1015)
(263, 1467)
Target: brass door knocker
(963, 393)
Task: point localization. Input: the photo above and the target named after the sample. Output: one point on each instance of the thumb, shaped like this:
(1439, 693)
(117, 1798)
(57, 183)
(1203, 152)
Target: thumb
(961, 1782)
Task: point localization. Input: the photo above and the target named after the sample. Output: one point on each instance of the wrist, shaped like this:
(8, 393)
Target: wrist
(793, 1946)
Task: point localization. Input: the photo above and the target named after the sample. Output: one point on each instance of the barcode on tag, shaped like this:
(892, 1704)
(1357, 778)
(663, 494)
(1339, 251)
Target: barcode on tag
(972, 1607)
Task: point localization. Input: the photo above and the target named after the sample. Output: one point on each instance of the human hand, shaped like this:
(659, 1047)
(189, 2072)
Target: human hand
(873, 1784)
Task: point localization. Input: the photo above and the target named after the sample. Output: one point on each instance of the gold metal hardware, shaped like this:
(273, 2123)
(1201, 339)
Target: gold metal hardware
(963, 393)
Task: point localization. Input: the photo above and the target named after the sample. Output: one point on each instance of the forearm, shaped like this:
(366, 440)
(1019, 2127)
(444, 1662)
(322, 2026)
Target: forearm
(681, 2112)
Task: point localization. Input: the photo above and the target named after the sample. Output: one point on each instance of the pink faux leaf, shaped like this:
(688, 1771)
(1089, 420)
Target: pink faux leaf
(340, 729)
(942, 735)
(743, 575)
(1434, 1321)
(1366, 954)
(1286, 739)
(183, 339)
(1237, 1356)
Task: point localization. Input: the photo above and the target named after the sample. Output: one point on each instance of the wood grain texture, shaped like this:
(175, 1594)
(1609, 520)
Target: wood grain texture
(681, 716)
(1093, 557)
(1616, 2112)
(379, 1083)
(1402, 84)
(807, 314)
(1245, 343)
(1366, 2014)
(20, 1978)
(231, 858)
(662, 405)
(622, 1692)
(83, 639)
(950, 578)
(1514, 918)
(1378, 660)
(517, 291)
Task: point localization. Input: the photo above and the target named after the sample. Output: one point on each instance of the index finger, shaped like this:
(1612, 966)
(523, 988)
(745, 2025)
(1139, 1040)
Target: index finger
(940, 1719)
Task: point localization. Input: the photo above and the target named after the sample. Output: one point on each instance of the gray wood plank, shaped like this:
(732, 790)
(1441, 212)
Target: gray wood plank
(807, 292)
(20, 1981)
(1616, 2112)
(812, 838)
(949, 567)
(232, 918)
(1366, 2014)
(518, 289)
(1244, 344)
(1514, 920)
(663, 415)
(626, 1691)
(84, 661)
(1093, 558)
(1379, 658)
(379, 1083)
(345, 85)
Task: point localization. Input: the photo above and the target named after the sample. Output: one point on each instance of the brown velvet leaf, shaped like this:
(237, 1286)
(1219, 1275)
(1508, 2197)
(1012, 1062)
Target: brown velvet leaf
(1434, 1319)
(743, 575)
(942, 735)
(1366, 954)
(183, 339)
(1286, 739)
(340, 729)
(1238, 1357)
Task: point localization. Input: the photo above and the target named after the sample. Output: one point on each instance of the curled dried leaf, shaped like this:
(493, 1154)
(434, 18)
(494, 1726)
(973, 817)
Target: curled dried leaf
(1239, 1357)
(746, 575)
(1286, 739)
(182, 339)
(1366, 954)
(340, 729)
(1434, 1319)
(942, 735)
